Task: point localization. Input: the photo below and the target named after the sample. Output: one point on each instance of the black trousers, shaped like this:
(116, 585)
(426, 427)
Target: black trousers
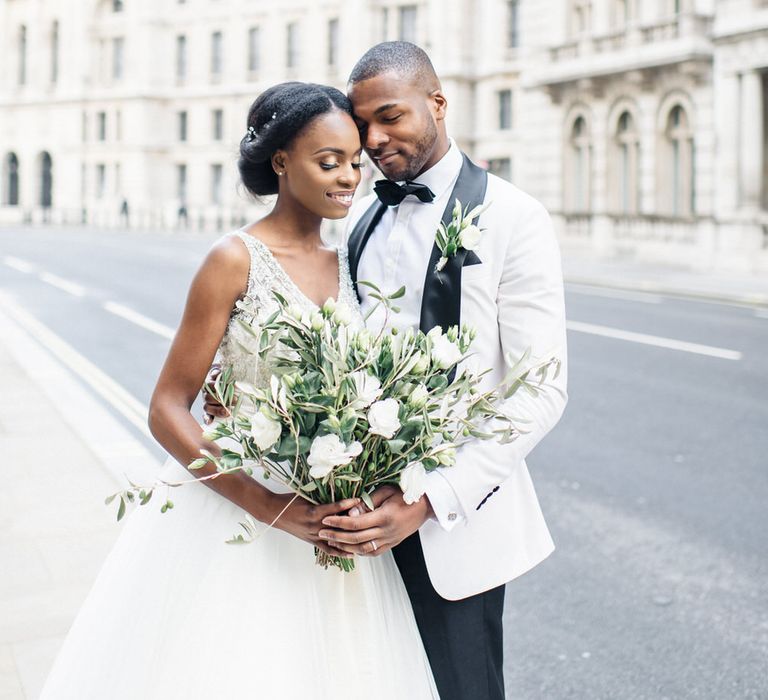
(463, 638)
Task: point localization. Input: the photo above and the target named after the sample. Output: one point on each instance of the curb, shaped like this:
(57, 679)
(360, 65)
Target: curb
(751, 300)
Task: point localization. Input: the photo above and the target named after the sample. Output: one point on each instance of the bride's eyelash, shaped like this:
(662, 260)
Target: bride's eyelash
(358, 165)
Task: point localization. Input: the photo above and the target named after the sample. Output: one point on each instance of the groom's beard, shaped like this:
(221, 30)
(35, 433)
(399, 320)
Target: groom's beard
(414, 163)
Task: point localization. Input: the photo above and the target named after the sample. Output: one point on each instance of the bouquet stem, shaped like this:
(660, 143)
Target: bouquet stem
(326, 560)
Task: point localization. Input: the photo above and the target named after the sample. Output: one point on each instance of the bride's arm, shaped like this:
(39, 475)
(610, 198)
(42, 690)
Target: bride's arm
(220, 281)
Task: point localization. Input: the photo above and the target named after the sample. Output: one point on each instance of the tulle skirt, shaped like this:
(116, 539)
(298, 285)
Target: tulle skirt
(177, 613)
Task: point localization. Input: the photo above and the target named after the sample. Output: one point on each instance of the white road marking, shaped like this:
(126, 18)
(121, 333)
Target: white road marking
(655, 340)
(139, 319)
(106, 387)
(18, 264)
(588, 290)
(60, 283)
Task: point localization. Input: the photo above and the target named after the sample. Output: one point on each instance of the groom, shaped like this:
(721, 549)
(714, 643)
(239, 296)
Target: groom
(479, 524)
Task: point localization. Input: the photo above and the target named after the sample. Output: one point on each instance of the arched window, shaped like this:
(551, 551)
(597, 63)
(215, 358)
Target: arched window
(577, 170)
(46, 180)
(679, 163)
(625, 161)
(11, 180)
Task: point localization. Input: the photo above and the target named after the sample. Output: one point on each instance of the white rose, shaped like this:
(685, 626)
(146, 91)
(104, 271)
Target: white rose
(265, 431)
(413, 482)
(382, 418)
(327, 452)
(367, 389)
(469, 238)
(444, 352)
(418, 396)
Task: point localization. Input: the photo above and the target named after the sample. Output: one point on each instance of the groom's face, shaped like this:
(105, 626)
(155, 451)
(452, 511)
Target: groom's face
(398, 124)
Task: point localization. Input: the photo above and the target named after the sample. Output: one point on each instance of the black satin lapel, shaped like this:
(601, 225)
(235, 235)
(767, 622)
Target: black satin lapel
(441, 302)
(360, 235)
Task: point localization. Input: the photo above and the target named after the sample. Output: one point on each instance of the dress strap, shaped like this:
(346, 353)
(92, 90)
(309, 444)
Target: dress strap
(260, 273)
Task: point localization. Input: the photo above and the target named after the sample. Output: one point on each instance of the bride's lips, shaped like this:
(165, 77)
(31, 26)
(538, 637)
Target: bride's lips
(343, 198)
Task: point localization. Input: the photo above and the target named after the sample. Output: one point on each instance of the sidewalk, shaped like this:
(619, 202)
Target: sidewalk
(54, 527)
(732, 288)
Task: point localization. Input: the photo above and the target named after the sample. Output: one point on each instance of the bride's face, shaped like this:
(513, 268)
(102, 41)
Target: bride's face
(321, 167)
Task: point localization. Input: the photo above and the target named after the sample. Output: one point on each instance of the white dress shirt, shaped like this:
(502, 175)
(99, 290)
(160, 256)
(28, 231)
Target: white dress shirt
(397, 254)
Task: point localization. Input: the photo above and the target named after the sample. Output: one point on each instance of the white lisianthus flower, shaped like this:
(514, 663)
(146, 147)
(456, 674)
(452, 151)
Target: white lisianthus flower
(367, 389)
(330, 306)
(317, 321)
(444, 352)
(436, 332)
(265, 431)
(446, 456)
(421, 365)
(295, 312)
(327, 452)
(413, 482)
(419, 396)
(469, 238)
(342, 315)
(382, 418)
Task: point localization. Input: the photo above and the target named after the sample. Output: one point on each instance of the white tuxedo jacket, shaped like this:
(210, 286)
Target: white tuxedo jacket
(489, 527)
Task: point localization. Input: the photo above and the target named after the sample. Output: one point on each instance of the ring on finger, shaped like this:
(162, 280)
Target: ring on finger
(374, 545)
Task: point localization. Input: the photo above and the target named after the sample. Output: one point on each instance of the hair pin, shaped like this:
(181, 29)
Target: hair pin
(251, 134)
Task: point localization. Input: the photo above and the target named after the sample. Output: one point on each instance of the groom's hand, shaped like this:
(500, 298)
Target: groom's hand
(375, 532)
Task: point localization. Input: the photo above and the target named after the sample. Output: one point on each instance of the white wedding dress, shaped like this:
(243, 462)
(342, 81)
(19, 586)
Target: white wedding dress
(177, 613)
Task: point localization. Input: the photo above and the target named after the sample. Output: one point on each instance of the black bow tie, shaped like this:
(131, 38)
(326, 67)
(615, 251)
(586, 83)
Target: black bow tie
(391, 194)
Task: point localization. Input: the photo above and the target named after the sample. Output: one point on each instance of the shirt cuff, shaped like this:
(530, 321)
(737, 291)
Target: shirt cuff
(445, 504)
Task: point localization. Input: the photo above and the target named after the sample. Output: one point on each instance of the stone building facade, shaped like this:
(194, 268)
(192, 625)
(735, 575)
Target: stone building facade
(641, 125)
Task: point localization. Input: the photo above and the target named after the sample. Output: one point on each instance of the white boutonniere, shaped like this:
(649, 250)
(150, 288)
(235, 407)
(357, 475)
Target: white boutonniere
(460, 233)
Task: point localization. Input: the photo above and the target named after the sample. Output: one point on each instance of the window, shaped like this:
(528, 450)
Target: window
(253, 49)
(625, 160)
(181, 183)
(101, 126)
(578, 169)
(581, 17)
(407, 23)
(118, 46)
(101, 180)
(333, 42)
(218, 124)
(54, 53)
(505, 109)
(216, 58)
(679, 163)
(46, 180)
(117, 5)
(216, 175)
(513, 24)
(502, 167)
(182, 123)
(292, 45)
(22, 48)
(11, 181)
(181, 57)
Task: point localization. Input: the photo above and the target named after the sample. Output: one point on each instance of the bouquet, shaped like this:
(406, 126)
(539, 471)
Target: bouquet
(347, 411)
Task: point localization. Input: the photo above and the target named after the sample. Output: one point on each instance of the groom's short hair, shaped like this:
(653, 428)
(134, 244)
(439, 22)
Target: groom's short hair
(402, 58)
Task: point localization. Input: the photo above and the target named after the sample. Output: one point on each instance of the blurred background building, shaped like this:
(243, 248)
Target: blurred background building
(642, 126)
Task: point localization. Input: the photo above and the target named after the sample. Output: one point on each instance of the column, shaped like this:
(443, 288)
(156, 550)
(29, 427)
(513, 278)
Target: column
(751, 164)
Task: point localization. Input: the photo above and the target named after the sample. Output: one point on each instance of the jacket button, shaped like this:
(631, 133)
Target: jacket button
(452, 516)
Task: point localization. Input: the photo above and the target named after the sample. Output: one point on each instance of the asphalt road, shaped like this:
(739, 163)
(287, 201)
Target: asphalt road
(654, 484)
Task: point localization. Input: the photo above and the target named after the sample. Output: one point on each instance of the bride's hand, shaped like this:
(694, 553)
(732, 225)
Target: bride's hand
(303, 519)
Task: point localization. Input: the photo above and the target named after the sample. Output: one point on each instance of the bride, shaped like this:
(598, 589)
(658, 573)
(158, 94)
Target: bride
(176, 612)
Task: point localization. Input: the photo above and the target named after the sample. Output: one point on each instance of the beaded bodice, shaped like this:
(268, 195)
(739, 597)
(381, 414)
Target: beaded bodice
(238, 347)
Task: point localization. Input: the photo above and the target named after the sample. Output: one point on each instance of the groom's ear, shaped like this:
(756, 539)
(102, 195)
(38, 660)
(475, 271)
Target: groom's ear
(438, 104)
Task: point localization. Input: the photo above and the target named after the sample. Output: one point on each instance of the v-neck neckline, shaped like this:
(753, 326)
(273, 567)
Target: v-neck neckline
(289, 280)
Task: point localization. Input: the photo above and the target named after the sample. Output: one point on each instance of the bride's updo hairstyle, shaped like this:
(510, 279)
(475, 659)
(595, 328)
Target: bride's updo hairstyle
(277, 117)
